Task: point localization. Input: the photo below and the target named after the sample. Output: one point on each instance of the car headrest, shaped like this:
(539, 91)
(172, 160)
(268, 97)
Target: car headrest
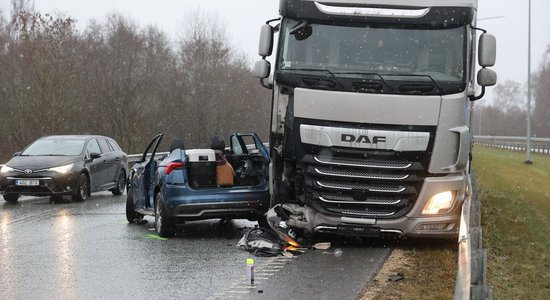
(176, 144)
(217, 143)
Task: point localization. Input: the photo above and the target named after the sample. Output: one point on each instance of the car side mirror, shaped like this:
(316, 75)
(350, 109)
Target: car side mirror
(17, 153)
(94, 155)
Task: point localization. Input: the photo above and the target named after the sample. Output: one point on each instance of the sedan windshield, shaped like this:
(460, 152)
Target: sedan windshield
(53, 147)
(396, 54)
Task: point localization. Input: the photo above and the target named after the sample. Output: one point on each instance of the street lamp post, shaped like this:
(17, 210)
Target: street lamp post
(528, 147)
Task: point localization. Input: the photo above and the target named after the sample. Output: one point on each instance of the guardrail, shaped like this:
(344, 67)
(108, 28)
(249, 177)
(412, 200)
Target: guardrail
(471, 278)
(137, 157)
(515, 143)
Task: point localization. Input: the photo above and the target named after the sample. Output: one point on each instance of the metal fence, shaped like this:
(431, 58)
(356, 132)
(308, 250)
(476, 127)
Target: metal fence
(471, 278)
(515, 143)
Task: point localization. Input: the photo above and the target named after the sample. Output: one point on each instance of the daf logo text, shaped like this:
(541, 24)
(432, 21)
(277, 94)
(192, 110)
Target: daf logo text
(363, 139)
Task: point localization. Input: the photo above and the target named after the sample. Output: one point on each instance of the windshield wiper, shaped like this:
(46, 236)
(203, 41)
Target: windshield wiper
(418, 87)
(310, 80)
(369, 74)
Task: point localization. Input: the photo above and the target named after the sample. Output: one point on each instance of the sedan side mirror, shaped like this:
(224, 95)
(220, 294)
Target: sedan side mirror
(94, 155)
(17, 153)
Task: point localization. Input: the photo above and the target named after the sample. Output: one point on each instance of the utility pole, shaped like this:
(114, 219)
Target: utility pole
(528, 147)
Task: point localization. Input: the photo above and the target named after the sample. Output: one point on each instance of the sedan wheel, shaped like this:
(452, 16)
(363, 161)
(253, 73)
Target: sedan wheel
(11, 198)
(164, 226)
(82, 190)
(120, 184)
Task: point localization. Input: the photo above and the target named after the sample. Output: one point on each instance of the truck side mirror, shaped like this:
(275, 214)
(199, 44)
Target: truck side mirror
(486, 77)
(265, 47)
(262, 68)
(487, 50)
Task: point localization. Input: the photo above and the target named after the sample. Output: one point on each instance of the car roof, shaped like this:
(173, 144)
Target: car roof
(73, 137)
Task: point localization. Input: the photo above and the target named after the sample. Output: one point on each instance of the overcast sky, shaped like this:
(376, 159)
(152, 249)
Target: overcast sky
(244, 18)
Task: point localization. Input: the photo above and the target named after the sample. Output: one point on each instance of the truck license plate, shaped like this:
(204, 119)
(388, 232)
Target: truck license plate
(27, 182)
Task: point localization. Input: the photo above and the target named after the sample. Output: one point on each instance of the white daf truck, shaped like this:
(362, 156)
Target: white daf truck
(371, 113)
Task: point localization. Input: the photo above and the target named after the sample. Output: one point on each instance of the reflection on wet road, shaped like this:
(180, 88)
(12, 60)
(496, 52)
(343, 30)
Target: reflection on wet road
(88, 250)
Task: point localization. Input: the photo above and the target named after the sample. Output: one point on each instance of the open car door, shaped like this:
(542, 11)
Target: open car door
(250, 148)
(142, 176)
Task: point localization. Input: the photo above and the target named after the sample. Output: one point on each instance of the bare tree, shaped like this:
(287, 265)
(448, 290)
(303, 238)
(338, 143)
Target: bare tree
(541, 113)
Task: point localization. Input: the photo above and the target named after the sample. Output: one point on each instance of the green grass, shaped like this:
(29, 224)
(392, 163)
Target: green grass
(515, 201)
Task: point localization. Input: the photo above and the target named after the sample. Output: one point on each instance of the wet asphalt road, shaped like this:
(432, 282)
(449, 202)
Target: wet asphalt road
(89, 251)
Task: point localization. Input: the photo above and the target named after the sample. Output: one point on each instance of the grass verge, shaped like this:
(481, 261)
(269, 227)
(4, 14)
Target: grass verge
(516, 231)
(515, 203)
(428, 266)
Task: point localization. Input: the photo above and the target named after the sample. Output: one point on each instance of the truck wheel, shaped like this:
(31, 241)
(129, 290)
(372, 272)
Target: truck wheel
(120, 184)
(131, 215)
(163, 225)
(11, 198)
(83, 189)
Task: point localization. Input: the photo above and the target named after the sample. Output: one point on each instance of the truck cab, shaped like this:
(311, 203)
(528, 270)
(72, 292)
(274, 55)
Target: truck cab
(371, 112)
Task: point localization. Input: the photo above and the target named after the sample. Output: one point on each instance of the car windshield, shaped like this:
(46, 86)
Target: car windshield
(413, 54)
(55, 147)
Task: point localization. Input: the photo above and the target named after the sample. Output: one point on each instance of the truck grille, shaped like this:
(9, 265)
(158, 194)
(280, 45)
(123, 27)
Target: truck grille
(365, 183)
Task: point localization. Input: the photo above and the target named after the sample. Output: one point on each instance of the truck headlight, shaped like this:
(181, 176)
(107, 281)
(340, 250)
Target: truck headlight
(439, 203)
(6, 169)
(63, 169)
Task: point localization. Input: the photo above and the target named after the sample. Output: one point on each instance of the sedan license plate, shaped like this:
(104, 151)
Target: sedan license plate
(27, 182)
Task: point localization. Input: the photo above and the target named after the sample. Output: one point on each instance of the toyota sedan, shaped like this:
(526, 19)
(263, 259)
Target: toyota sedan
(74, 165)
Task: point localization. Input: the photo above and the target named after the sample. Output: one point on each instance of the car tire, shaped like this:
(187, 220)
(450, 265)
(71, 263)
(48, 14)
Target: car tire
(131, 215)
(120, 184)
(163, 225)
(11, 198)
(83, 189)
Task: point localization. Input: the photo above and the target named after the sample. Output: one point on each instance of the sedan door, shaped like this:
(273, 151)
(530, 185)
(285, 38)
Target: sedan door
(96, 165)
(111, 168)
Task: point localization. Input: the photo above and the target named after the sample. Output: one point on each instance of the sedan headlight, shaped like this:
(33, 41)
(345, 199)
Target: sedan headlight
(6, 169)
(439, 203)
(62, 169)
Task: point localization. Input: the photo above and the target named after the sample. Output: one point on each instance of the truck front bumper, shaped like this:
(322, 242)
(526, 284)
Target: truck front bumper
(311, 220)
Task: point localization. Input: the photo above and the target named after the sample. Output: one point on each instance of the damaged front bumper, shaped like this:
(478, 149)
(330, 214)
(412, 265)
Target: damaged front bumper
(310, 220)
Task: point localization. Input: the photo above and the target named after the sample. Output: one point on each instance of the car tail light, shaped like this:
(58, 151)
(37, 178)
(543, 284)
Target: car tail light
(172, 166)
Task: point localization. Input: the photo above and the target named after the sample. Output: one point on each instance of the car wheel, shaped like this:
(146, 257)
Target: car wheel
(11, 198)
(83, 189)
(120, 184)
(131, 215)
(164, 226)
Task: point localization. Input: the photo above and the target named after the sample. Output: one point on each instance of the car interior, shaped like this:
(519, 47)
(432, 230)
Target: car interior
(242, 164)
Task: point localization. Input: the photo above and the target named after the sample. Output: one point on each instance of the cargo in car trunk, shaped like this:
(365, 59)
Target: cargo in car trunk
(201, 167)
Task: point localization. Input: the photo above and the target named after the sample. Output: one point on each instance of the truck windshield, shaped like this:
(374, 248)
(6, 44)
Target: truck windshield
(391, 54)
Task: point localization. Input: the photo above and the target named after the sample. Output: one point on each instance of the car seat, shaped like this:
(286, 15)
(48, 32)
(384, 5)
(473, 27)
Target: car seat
(224, 171)
(176, 144)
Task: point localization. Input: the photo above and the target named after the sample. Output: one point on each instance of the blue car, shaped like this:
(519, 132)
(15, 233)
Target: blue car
(196, 184)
